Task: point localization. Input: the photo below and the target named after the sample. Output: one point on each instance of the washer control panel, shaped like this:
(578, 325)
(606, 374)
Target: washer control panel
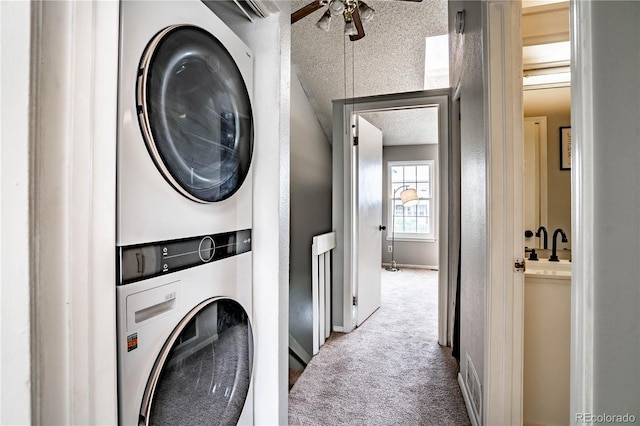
(142, 261)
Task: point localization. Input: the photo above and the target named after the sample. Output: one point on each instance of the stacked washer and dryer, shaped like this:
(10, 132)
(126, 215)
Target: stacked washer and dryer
(184, 279)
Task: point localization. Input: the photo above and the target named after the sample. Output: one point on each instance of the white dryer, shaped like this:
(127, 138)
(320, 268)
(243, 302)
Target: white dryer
(184, 219)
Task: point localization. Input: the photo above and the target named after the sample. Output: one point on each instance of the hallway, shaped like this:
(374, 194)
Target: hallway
(391, 370)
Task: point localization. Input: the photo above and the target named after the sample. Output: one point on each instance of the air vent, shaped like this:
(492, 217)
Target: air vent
(474, 387)
(258, 8)
(250, 9)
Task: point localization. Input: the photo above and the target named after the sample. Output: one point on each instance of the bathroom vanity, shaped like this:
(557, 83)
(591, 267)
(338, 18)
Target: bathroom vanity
(547, 336)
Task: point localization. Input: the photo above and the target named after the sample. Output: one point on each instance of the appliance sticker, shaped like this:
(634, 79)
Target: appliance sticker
(132, 342)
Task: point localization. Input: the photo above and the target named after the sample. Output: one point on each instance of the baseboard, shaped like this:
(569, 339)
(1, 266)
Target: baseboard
(467, 401)
(338, 329)
(406, 265)
(298, 351)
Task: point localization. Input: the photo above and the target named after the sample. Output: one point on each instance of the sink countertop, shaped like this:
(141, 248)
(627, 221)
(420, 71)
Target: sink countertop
(545, 269)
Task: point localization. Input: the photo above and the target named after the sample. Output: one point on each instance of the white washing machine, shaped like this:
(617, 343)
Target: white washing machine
(185, 125)
(184, 219)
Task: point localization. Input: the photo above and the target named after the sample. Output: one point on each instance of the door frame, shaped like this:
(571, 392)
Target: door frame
(583, 222)
(343, 197)
(542, 168)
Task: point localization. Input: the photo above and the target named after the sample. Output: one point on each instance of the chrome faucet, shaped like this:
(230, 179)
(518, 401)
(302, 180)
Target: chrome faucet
(554, 257)
(544, 241)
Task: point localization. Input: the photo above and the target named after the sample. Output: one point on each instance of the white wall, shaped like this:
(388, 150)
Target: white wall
(310, 208)
(15, 224)
(467, 74)
(613, 60)
(408, 252)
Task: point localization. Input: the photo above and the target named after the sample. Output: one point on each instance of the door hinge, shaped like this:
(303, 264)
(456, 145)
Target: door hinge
(519, 265)
(355, 141)
(354, 301)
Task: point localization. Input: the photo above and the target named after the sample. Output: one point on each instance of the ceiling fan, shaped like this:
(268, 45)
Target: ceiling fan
(354, 13)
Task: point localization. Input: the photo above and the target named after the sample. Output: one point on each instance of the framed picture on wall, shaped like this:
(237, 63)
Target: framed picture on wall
(565, 148)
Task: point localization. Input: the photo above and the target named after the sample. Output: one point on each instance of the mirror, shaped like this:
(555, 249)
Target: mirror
(546, 62)
(547, 187)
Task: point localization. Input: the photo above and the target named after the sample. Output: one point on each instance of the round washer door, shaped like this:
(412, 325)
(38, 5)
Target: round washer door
(195, 113)
(203, 371)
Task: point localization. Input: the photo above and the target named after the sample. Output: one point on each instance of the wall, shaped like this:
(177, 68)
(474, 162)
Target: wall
(15, 227)
(310, 207)
(408, 252)
(559, 181)
(614, 60)
(466, 71)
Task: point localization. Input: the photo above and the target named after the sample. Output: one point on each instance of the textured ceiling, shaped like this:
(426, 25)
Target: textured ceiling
(389, 59)
(406, 126)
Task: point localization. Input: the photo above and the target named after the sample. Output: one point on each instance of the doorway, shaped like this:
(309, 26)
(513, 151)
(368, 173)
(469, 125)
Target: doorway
(345, 197)
(547, 206)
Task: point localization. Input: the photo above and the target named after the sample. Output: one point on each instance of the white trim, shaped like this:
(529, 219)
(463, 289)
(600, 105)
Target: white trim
(582, 210)
(321, 247)
(298, 350)
(467, 401)
(16, 238)
(74, 202)
(433, 188)
(542, 171)
(412, 266)
(413, 240)
(453, 224)
(343, 272)
(339, 329)
(502, 390)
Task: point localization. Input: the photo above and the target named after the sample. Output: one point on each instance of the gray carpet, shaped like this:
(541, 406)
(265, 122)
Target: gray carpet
(389, 371)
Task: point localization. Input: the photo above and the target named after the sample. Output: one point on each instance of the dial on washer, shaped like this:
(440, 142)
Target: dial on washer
(206, 249)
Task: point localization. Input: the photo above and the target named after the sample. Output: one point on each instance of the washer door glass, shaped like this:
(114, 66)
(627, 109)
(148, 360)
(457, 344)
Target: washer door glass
(203, 372)
(195, 113)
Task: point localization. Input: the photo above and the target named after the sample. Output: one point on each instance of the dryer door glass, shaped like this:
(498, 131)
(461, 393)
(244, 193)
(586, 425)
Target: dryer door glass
(203, 372)
(195, 113)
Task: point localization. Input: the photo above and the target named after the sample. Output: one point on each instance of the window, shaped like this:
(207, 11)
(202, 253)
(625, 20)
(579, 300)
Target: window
(436, 62)
(415, 222)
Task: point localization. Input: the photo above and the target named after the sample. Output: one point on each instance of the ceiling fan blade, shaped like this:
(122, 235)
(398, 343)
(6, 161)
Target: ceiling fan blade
(358, 23)
(304, 11)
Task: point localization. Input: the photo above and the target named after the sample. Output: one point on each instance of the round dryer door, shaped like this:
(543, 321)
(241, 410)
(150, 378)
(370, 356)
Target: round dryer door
(203, 371)
(195, 113)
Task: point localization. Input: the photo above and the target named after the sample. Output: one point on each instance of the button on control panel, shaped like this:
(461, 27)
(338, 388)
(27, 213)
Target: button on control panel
(207, 249)
(141, 261)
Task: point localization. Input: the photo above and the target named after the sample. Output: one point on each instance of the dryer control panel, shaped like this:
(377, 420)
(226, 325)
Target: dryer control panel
(142, 261)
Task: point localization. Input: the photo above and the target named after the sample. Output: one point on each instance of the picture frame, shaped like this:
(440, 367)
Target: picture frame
(565, 148)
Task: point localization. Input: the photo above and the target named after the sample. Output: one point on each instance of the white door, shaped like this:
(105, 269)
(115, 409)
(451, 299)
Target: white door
(368, 205)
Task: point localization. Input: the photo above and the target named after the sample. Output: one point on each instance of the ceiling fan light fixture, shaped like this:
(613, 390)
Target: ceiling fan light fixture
(336, 7)
(366, 12)
(324, 23)
(350, 28)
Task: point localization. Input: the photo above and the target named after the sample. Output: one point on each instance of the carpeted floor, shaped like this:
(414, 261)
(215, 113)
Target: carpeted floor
(389, 371)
